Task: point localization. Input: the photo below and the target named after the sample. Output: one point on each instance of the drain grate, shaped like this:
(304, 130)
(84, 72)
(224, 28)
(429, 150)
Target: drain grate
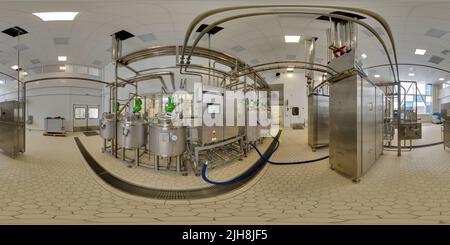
(90, 133)
(205, 192)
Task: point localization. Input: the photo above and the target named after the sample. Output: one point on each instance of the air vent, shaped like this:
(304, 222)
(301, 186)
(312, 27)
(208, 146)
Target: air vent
(97, 62)
(435, 33)
(238, 48)
(21, 47)
(213, 31)
(15, 31)
(123, 35)
(147, 37)
(291, 57)
(61, 40)
(436, 59)
(35, 61)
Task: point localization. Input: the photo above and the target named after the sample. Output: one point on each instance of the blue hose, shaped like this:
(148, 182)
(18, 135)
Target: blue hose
(286, 163)
(252, 170)
(243, 176)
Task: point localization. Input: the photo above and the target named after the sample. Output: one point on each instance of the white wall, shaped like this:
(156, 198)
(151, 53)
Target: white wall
(56, 98)
(294, 93)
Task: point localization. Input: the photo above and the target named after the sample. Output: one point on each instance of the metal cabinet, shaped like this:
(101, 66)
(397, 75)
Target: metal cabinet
(318, 120)
(445, 112)
(356, 124)
(12, 128)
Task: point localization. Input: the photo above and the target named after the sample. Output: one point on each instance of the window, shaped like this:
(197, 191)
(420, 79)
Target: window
(80, 113)
(93, 113)
(423, 100)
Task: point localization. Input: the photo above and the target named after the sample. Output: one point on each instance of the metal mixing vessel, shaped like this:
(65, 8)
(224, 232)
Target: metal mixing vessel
(132, 132)
(107, 126)
(166, 139)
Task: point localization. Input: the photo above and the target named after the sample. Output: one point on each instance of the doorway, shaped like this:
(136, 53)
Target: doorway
(85, 118)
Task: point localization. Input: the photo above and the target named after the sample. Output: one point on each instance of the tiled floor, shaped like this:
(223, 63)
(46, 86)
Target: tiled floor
(51, 183)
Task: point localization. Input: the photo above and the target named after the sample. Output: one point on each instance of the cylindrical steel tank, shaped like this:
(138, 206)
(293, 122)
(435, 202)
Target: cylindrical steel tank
(107, 126)
(166, 139)
(132, 132)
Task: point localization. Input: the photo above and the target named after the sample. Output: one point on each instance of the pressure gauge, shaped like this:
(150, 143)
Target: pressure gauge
(174, 137)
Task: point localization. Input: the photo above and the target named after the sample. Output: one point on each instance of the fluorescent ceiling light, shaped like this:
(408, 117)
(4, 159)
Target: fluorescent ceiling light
(56, 16)
(62, 58)
(292, 39)
(441, 79)
(420, 51)
(15, 67)
(364, 56)
(62, 68)
(411, 74)
(290, 69)
(2, 82)
(376, 76)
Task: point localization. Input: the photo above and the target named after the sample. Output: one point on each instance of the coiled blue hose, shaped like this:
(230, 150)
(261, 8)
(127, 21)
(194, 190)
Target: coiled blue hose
(252, 170)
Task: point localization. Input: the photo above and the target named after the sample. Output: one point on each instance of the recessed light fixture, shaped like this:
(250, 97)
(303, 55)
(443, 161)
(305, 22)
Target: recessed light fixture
(62, 68)
(290, 69)
(441, 79)
(15, 67)
(420, 51)
(291, 39)
(364, 55)
(62, 58)
(2, 82)
(411, 74)
(376, 76)
(57, 16)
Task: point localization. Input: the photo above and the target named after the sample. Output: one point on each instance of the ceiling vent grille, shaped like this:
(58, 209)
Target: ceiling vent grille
(21, 47)
(35, 61)
(147, 37)
(97, 62)
(61, 40)
(436, 33)
(291, 56)
(238, 48)
(436, 59)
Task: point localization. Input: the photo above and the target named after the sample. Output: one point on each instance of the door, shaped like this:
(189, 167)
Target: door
(85, 117)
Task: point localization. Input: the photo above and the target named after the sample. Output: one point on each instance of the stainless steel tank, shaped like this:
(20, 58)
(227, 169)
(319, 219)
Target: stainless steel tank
(132, 132)
(166, 139)
(107, 126)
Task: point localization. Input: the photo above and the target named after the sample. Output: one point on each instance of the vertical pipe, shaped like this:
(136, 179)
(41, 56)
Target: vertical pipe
(209, 60)
(399, 107)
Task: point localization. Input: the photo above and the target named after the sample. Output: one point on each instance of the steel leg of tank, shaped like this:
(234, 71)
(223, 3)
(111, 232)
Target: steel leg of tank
(136, 156)
(104, 146)
(156, 162)
(178, 163)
